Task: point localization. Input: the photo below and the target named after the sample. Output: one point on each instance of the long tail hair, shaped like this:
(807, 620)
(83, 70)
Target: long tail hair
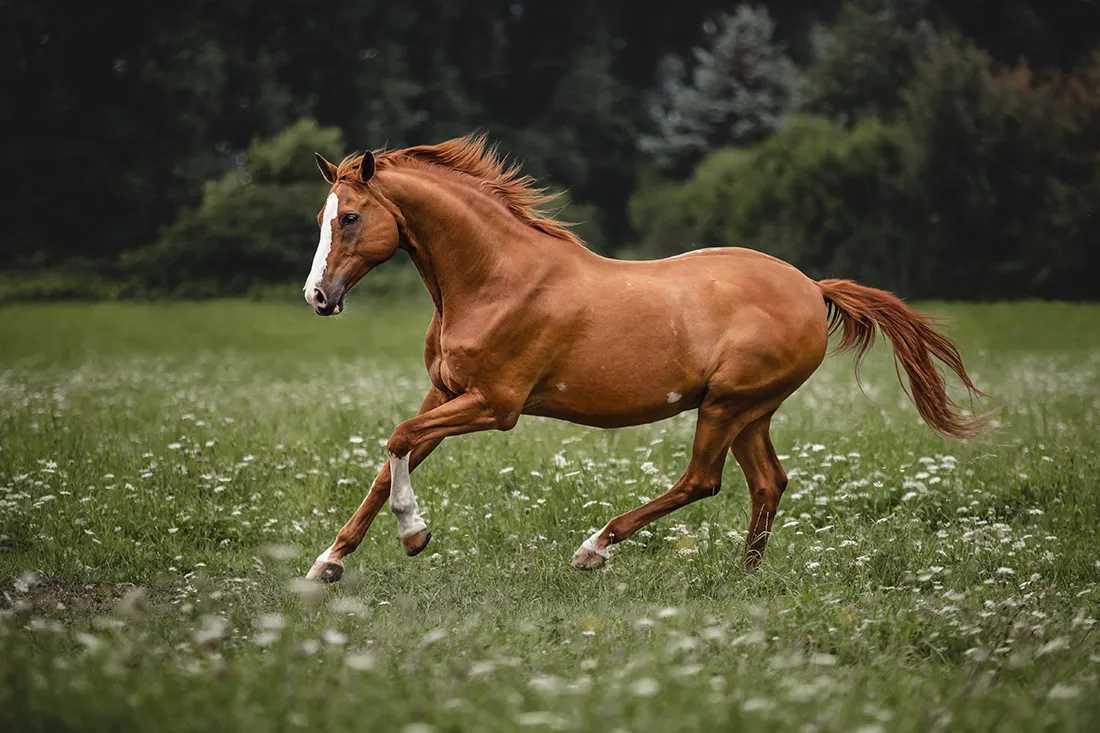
(856, 311)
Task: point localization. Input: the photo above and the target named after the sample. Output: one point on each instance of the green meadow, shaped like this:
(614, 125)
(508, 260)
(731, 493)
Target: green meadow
(168, 472)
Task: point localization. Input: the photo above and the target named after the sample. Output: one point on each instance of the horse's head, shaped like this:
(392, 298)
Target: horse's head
(358, 233)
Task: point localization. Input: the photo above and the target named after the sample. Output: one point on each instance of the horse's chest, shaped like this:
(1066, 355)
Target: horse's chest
(448, 379)
(454, 365)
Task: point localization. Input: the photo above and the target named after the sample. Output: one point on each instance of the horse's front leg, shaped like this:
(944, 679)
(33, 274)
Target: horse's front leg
(329, 564)
(410, 442)
(467, 413)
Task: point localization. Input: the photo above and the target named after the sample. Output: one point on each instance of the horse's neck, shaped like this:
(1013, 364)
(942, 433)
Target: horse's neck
(466, 247)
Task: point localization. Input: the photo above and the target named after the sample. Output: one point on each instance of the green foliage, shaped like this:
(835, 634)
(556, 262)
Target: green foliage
(812, 194)
(156, 107)
(743, 88)
(832, 201)
(988, 171)
(866, 58)
(121, 137)
(585, 140)
(677, 216)
(67, 283)
(985, 187)
(254, 225)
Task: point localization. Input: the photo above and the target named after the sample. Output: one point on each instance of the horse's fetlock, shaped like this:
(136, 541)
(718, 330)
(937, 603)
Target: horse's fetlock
(768, 497)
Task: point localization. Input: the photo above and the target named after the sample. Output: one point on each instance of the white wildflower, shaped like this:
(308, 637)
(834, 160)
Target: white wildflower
(265, 638)
(433, 636)
(360, 661)
(755, 704)
(1063, 692)
(1054, 645)
(541, 718)
(334, 637)
(27, 581)
(212, 630)
(418, 728)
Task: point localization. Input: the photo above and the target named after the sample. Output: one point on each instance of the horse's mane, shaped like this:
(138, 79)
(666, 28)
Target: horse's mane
(474, 160)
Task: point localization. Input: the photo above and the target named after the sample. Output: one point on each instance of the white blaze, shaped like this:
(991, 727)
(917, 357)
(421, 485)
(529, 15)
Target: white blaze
(324, 245)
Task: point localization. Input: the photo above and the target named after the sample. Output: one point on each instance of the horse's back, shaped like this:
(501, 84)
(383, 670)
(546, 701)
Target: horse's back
(733, 285)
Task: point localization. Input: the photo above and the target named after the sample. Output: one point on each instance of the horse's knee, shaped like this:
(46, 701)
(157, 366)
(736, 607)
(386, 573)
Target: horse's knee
(401, 442)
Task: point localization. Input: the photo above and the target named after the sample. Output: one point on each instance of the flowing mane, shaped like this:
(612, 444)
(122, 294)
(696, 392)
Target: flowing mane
(473, 159)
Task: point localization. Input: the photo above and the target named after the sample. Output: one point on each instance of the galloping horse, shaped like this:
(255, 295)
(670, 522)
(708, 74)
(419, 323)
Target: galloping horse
(530, 322)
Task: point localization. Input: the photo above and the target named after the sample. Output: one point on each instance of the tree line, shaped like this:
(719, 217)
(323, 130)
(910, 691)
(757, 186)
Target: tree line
(940, 148)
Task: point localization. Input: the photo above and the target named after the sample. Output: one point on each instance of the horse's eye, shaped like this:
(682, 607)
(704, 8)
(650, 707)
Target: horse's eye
(348, 219)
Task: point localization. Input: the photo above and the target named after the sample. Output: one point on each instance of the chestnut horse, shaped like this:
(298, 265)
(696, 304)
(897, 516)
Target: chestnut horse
(529, 321)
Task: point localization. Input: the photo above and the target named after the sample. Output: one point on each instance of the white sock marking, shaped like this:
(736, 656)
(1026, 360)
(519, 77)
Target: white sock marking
(323, 557)
(402, 499)
(590, 544)
(324, 245)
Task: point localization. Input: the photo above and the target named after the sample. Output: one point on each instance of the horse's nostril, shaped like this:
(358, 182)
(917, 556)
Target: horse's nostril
(319, 297)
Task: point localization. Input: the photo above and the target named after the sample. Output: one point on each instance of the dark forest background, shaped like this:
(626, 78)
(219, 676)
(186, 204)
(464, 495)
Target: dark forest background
(942, 149)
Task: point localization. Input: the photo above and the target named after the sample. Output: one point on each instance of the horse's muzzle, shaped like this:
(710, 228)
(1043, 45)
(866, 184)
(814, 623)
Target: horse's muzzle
(327, 304)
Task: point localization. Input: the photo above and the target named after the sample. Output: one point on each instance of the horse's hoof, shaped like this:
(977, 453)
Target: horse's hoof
(328, 571)
(414, 544)
(752, 560)
(585, 559)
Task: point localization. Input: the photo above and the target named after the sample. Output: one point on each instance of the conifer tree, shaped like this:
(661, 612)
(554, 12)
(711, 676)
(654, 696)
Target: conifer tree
(742, 88)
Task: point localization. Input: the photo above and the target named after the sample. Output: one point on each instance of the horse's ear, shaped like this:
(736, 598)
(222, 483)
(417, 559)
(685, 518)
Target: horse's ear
(366, 168)
(328, 170)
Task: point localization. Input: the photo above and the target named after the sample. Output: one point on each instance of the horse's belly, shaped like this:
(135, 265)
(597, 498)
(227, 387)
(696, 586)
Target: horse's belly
(610, 398)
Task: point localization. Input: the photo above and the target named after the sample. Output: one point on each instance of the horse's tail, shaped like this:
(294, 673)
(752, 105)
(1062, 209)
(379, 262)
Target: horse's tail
(857, 310)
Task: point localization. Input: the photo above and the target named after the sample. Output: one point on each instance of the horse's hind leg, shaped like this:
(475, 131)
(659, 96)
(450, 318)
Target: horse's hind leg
(718, 422)
(766, 479)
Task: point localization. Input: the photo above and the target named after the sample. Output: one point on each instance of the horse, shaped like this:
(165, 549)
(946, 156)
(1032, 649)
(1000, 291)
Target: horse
(529, 321)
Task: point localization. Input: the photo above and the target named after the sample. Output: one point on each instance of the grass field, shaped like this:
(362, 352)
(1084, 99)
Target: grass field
(168, 473)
